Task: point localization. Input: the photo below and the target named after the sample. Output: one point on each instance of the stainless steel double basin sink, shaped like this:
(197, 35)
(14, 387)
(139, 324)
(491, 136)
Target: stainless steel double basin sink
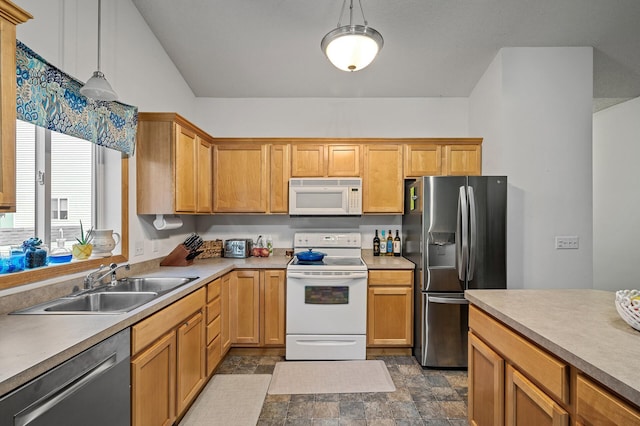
(126, 295)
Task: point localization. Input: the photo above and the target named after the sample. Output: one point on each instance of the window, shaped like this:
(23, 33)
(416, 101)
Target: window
(60, 208)
(60, 181)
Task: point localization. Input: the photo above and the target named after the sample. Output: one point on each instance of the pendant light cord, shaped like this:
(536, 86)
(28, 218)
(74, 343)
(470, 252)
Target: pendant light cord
(344, 3)
(99, 20)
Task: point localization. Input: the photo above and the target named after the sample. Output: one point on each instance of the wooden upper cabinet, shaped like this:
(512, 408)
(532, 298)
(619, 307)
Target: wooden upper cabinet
(325, 160)
(279, 183)
(186, 151)
(422, 160)
(240, 174)
(308, 160)
(204, 177)
(383, 185)
(173, 165)
(462, 160)
(343, 160)
(10, 16)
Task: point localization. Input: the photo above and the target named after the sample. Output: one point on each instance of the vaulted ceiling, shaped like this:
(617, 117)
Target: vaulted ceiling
(432, 48)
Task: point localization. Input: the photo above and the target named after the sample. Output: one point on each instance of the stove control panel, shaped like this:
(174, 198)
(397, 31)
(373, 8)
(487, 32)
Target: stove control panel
(327, 239)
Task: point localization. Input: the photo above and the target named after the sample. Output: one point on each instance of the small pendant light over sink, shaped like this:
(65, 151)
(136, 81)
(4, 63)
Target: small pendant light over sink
(98, 87)
(352, 47)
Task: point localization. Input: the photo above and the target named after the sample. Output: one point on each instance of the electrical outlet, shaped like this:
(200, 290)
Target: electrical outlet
(139, 248)
(569, 242)
(154, 246)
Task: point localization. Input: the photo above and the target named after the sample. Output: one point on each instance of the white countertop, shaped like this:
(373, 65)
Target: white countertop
(33, 344)
(582, 327)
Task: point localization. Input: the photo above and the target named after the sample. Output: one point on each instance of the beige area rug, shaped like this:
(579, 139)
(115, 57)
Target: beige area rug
(229, 400)
(300, 377)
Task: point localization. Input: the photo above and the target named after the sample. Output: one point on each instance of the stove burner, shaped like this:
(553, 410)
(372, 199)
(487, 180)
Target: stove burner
(309, 262)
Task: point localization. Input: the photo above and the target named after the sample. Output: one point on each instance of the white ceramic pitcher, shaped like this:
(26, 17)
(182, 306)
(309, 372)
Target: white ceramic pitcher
(104, 240)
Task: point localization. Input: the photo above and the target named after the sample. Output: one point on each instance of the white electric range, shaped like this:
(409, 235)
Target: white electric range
(327, 299)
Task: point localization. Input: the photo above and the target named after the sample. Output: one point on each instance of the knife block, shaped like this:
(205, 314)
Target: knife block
(178, 257)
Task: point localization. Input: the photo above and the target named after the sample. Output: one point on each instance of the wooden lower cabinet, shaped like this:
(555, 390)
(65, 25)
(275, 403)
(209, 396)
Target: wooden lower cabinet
(190, 360)
(225, 315)
(390, 308)
(153, 384)
(257, 308)
(526, 404)
(486, 384)
(596, 406)
(168, 361)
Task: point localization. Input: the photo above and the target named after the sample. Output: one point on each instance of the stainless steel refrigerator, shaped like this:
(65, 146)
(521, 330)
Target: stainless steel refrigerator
(454, 230)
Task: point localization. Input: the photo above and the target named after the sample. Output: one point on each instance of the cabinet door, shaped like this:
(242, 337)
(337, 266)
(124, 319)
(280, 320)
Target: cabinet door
(11, 16)
(390, 315)
(525, 403)
(462, 160)
(225, 331)
(240, 179)
(422, 160)
(596, 406)
(274, 307)
(186, 148)
(244, 298)
(308, 160)
(204, 181)
(190, 351)
(280, 173)
(486, 385)
(343, 160)
(153, 384)
(382, 181)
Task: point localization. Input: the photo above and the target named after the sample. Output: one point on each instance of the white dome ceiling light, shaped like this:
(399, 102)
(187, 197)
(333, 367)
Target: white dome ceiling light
(352, 47)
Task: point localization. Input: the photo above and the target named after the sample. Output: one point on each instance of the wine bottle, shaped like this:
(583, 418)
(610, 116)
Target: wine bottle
(376, 245)
(390, 244)
(383, 244)
(396, 244)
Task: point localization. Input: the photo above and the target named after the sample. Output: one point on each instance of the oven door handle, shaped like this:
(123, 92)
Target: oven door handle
(348, 276)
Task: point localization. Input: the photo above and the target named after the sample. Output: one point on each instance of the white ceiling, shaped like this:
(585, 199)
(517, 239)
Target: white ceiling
(432, 48)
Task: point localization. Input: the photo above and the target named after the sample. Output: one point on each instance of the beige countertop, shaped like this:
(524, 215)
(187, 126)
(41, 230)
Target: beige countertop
(582, 327)
(33, 344)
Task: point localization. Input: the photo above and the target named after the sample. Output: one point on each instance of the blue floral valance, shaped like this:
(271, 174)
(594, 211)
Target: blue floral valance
(50, 98)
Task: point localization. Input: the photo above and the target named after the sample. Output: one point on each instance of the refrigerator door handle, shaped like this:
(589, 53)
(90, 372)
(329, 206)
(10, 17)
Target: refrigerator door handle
(462, 235)
(448, 300)
(473, 228)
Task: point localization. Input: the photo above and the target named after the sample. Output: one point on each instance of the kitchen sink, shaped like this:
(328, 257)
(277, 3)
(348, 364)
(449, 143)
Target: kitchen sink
(126, 295)
(144, 284)
(102, 302)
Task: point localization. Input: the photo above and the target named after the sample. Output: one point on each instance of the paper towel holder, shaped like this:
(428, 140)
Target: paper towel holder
(162, 223)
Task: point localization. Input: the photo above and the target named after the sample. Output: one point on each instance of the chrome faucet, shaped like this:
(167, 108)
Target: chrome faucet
(91, 279)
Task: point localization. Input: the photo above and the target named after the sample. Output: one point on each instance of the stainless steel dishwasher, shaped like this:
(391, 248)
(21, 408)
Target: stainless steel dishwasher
(92, 388)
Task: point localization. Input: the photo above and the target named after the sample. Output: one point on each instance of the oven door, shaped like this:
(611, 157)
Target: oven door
(324, 302)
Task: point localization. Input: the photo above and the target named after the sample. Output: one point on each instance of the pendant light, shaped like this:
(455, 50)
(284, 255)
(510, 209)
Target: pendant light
(98, 87)
(352, 47)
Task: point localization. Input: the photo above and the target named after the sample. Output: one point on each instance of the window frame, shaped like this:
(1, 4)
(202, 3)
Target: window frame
(53, 271)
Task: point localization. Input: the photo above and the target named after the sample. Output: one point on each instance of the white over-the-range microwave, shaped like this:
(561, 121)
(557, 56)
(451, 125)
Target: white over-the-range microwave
(325, 196)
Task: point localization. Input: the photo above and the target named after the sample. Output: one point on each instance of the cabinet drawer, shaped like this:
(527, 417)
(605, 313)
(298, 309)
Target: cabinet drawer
(597, 406)
(543, 368)
(213, 355)
(213, 289)
(213, 310)
(150, 329)
(386, 277)
(213, 330)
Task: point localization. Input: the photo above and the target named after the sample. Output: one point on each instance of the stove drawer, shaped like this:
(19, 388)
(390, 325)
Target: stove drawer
(325, 347)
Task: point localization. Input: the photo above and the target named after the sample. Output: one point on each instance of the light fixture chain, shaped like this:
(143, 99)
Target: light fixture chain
(366, 24)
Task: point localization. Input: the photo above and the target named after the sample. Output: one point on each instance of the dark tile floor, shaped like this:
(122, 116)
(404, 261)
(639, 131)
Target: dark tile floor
(422, 397)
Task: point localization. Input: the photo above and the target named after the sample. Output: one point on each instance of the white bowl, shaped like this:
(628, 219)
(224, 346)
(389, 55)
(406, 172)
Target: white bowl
(628, 307)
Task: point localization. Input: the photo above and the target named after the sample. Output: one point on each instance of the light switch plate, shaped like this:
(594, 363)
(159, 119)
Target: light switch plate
(567, 242)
